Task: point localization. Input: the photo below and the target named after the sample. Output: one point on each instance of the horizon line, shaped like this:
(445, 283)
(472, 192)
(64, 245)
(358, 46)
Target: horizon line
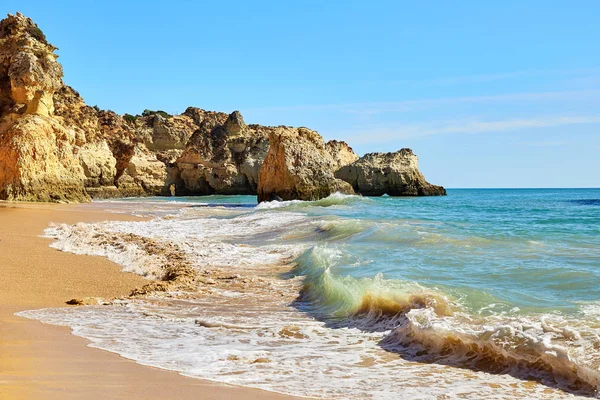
(525, 188)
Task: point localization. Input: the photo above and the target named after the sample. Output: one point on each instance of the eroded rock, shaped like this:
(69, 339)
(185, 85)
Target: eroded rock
(98, 163)
(144, 175)
(395, 174)
(57, 148)
(30, 72)
(89, 301)
(223, 156)
(37, 162)
(298, 165)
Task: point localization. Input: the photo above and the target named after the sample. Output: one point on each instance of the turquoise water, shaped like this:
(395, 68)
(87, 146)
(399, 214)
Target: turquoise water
(538, 250)
(356, 297)
(535, 249)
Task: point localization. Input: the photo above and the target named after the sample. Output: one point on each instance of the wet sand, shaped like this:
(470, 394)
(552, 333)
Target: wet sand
(40, 361)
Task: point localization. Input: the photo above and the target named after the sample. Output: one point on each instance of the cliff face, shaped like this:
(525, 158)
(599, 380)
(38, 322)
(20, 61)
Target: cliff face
(395, 174)
(299, 165)
(37, 160)
(54, 147)
(222, 156)
(29, 71)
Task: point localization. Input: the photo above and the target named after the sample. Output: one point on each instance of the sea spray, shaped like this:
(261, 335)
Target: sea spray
(468, 296)
(427, 326)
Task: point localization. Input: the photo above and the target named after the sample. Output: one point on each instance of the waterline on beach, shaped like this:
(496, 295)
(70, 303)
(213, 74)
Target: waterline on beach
(358, 297)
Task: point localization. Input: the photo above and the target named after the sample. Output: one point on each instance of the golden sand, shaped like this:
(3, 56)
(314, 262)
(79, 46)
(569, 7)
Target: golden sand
(40, 361)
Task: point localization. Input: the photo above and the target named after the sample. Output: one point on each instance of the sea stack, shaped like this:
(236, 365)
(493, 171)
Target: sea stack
(394, 174)
(299, 166)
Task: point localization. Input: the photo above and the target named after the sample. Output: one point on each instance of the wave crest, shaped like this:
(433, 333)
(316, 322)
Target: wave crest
(335, 199)
(425, 325)
(372, 304)
(538, 349)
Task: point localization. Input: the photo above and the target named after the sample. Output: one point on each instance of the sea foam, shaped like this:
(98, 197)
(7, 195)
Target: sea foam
(286, 315)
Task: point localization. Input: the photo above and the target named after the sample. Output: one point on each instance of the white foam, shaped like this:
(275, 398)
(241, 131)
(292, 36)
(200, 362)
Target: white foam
(272, 347)
(256, 338)
(210, 242)
(335, 199)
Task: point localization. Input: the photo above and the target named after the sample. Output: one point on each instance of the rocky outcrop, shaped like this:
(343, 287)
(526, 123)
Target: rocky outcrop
(54, 147)
(159, 133)
(341, 153)
(299, 165)
(28, 66)
(98, 163)
(144, 175)
(72, 112)
(223, 156)
(395, 174)
(37, 161)
(37, 158)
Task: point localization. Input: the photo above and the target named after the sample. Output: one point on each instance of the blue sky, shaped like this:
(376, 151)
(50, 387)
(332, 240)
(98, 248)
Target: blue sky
(488, 94)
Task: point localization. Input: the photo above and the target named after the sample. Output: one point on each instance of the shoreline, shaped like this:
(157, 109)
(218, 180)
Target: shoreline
(40, 361)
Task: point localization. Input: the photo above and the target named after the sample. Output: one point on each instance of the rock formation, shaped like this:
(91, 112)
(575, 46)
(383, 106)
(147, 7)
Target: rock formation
(37, 160)
(29, 70)
(299, 165)
(54, 147)
(395, 174)
(342, 153)
(222, 156)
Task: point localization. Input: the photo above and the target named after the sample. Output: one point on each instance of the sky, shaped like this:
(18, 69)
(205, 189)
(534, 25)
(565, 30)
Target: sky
(487, 94)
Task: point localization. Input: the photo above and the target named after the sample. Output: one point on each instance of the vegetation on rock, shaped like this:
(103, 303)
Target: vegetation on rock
(130, 118)
(148, 113)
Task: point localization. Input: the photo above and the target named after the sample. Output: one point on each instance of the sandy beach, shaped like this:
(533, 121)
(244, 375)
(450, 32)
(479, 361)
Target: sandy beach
(40, 361)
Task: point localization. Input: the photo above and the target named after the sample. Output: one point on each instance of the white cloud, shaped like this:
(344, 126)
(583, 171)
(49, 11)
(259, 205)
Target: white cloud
(466, 126)
(483, 78)
(545, 143)
(371, 108)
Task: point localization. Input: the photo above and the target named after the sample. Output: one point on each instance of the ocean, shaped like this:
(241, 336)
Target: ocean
(484, 293)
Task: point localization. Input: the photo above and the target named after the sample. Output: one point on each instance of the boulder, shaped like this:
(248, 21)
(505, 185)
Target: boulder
(298, 165)
(395, 174)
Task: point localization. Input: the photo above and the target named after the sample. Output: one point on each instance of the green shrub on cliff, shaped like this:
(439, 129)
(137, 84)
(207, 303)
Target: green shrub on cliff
(162, 113)
(130, 118)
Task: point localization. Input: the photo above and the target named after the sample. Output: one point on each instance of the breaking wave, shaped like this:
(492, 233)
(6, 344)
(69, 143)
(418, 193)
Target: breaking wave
(335, 199)
(381, 292)
(426, 325)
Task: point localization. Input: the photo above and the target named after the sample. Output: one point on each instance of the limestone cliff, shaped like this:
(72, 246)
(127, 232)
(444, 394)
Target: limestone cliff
(29, 71)
(395, 174)
(342, 153)
(54, 147)
(299, 165)
(37, 160)
(224, 155)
